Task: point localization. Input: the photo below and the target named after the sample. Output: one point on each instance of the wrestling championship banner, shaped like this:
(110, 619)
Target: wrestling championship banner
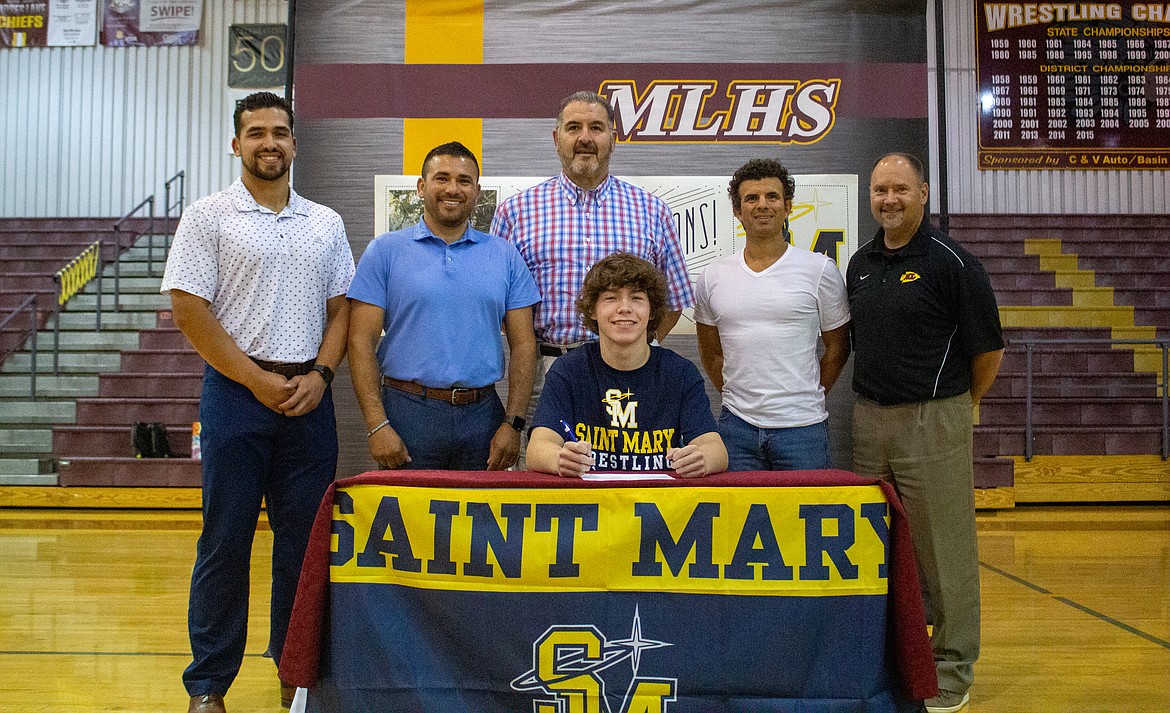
(521, 592)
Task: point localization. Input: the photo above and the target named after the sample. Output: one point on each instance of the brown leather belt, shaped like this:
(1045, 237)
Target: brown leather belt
(286, 370)
(456, 397)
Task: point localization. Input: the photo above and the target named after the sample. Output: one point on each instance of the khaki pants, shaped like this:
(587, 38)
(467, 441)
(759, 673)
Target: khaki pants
(924, 450)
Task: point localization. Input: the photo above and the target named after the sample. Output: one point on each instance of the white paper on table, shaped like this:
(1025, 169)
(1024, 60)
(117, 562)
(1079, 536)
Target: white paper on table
(615, 475)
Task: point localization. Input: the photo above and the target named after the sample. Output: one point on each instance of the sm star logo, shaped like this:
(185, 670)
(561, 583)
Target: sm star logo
(621, 416)
(568, 661)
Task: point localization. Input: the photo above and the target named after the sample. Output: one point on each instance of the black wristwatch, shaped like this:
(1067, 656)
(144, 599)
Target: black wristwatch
(516, 422)
(325, 372)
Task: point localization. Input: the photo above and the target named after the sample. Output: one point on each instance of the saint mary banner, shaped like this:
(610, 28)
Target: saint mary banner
(432, 591)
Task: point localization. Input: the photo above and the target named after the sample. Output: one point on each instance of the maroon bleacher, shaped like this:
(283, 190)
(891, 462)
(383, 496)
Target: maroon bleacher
(1130, 253)
(89, 225)
(1087, 399)
(158, 383)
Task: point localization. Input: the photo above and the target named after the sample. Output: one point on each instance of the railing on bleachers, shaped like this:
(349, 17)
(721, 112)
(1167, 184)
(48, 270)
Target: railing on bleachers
(87, 266)
(31, 305)
(168, 205)
(149, 201)
(70, 280)
(1029, 345)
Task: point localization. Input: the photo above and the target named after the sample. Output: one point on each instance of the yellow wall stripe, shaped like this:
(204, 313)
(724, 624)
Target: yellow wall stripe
(441, 33)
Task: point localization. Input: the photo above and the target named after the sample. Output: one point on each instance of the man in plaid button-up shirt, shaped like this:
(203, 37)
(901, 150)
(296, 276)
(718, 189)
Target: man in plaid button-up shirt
(568, 223)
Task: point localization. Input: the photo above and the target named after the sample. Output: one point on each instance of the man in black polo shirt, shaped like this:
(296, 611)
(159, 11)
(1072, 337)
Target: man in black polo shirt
(927, 340)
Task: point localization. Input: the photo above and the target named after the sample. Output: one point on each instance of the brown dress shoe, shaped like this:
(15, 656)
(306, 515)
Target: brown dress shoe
(287, 693)
(207, 703)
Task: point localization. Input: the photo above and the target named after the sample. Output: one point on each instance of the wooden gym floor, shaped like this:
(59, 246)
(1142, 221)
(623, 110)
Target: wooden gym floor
(1076, 611)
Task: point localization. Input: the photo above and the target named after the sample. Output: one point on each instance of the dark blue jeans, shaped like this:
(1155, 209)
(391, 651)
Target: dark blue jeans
(753, 448)
(251, 452)
(442, 436)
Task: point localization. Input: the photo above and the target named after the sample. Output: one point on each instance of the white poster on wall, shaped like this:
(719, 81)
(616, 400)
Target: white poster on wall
(823, 218)
(72, 23)
(169, 15)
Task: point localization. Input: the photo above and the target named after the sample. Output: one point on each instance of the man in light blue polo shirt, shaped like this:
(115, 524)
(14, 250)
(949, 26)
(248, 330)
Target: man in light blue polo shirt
(441, 291)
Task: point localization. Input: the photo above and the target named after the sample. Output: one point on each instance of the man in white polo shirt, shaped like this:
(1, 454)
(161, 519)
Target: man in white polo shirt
(759, 314)
(257, 277)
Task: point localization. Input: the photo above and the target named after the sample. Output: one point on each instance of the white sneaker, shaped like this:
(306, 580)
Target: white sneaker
(947, 702)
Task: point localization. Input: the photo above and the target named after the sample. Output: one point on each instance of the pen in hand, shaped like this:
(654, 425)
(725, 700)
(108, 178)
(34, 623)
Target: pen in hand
(576, 456)
(671, 450)
(568, 431)
(687, 463)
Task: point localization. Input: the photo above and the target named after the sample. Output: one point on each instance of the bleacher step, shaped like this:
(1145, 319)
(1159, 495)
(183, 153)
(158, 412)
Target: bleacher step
(90, 340)
(1067, 359)
(146, 384)
(129, 472)
(115, 321)
(138, 268)
(994, 472)
(49, 386)
(163, 339)
(133, 301)
(1080, 384)
(113, 441)
(25, 479)
(1069, 440)
(42, 411)
(1056, 296)
(26, 466)
(1088, 411)
(90, 362)
(127, 283)
(1057, 316)
(22, 441)
(1061, 478)
(163, 360)
(125, 411)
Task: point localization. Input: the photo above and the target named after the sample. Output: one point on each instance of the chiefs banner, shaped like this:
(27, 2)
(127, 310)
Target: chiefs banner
(47, 23)
(521, 592)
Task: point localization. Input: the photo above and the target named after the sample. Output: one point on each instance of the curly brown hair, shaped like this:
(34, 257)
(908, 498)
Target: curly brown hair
(756, 170)
(615, 272)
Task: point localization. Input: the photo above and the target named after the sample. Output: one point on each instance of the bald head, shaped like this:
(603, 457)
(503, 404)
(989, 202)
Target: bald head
(898, 194)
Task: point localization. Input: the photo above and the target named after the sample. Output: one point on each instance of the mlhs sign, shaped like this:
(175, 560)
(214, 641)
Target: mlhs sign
(776, 112)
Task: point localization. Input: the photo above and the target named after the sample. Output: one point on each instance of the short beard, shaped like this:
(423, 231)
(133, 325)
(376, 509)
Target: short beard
(273, 175)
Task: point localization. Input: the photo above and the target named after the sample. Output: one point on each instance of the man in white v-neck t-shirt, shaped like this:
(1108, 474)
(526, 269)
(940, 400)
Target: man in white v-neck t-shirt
(759, 314)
